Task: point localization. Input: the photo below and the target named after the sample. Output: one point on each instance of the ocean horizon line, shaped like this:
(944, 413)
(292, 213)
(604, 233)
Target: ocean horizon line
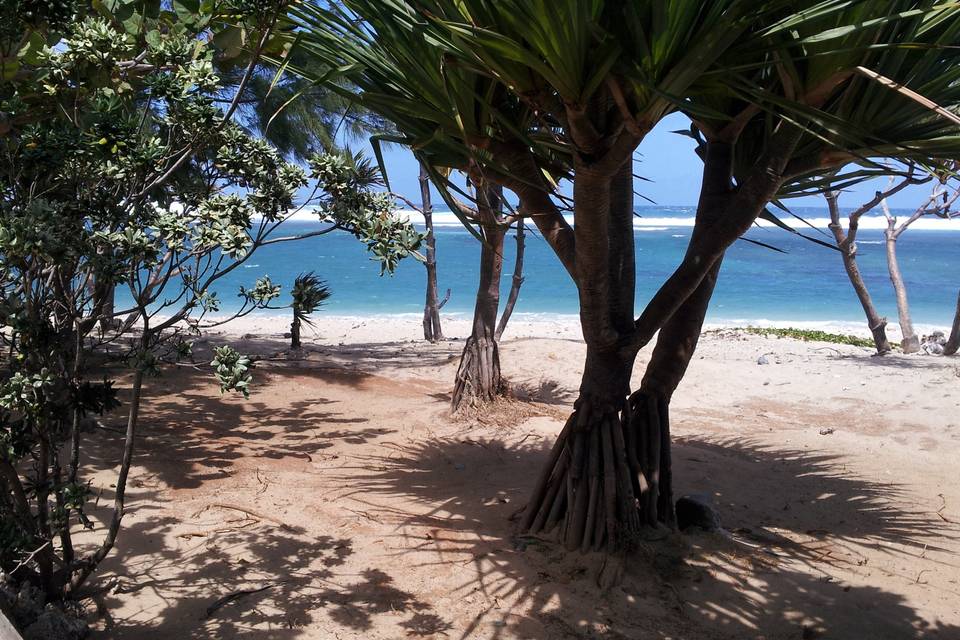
(443, 218)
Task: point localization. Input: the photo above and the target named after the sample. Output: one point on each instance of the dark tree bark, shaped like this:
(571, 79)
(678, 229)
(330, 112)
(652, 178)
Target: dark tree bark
(953, 342)
(295, 331)
(432, 331)
(848, 253)
(478, 376)
(676, 344)
(650, 405)
(590, 486)
(610, 472)
(516, 282)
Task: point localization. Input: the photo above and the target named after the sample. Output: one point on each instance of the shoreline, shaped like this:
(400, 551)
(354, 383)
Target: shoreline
(407, 327)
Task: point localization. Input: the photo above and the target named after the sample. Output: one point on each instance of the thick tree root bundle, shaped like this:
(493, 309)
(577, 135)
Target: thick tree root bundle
(478, 377)
(650, 418)
(608, 475)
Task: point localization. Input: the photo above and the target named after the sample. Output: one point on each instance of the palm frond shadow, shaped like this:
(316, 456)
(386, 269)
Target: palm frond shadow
(207, 568)
(778, 572)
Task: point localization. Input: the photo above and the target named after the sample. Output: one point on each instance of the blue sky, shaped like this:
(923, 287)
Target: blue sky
(667, 160)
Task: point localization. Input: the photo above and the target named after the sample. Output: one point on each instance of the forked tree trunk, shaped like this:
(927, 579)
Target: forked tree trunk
(516, 282)
(846, 242)
(478, 377)
(609, 474)
(432, 331)
(953, 342)
(910, 342)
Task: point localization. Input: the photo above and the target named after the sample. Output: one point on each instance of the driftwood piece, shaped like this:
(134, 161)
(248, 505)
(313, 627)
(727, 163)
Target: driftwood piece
(255, 514)
(236, 595)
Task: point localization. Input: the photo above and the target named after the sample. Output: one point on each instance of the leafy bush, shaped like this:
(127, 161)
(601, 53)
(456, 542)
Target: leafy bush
(811, 335)
(123, 164)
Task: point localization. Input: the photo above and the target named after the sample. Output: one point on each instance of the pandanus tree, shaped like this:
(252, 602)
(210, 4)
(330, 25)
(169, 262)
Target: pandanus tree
(309, 293)
(445, 114)
(778, 91)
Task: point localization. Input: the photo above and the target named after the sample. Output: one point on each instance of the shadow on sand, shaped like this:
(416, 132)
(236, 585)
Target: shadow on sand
(788, 569)
(796, 520)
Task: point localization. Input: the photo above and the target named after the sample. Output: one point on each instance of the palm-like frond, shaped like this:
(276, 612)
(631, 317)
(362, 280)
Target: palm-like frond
(309, 293)
(454, 75)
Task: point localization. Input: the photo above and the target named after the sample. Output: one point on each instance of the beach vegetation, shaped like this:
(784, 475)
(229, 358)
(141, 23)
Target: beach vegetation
(309, 293)
(388, 67)
(125, 165)
(809, 335)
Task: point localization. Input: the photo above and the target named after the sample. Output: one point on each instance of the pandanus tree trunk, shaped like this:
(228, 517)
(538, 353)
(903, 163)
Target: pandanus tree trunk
(432, 331)
(478, 377)
(592, 480)
(516, 282)
(650, 405)
(910, 342)
(609, 474)
(295, 331)
(953, 342)
(846, 242)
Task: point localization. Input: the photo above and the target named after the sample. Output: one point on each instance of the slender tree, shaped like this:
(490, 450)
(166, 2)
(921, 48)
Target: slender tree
(516, 281)
(937, 204)
(432, 331)
(847, 243)
(953, 342)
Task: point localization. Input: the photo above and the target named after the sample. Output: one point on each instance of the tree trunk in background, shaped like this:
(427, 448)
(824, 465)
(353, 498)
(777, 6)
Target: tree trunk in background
(295, 331)
(877, 323)
(478, 377)
(432, 330)
(107, 309)
(953, 342)
(848, 253)
(910, 342)
(516, 283)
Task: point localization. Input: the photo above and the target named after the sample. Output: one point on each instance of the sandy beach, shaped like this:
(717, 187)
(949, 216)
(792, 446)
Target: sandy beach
(342, 500)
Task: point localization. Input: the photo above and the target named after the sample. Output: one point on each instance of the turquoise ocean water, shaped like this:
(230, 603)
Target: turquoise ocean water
(805, 284)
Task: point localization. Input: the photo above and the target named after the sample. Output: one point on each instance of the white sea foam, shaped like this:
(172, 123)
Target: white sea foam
(663, 223)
